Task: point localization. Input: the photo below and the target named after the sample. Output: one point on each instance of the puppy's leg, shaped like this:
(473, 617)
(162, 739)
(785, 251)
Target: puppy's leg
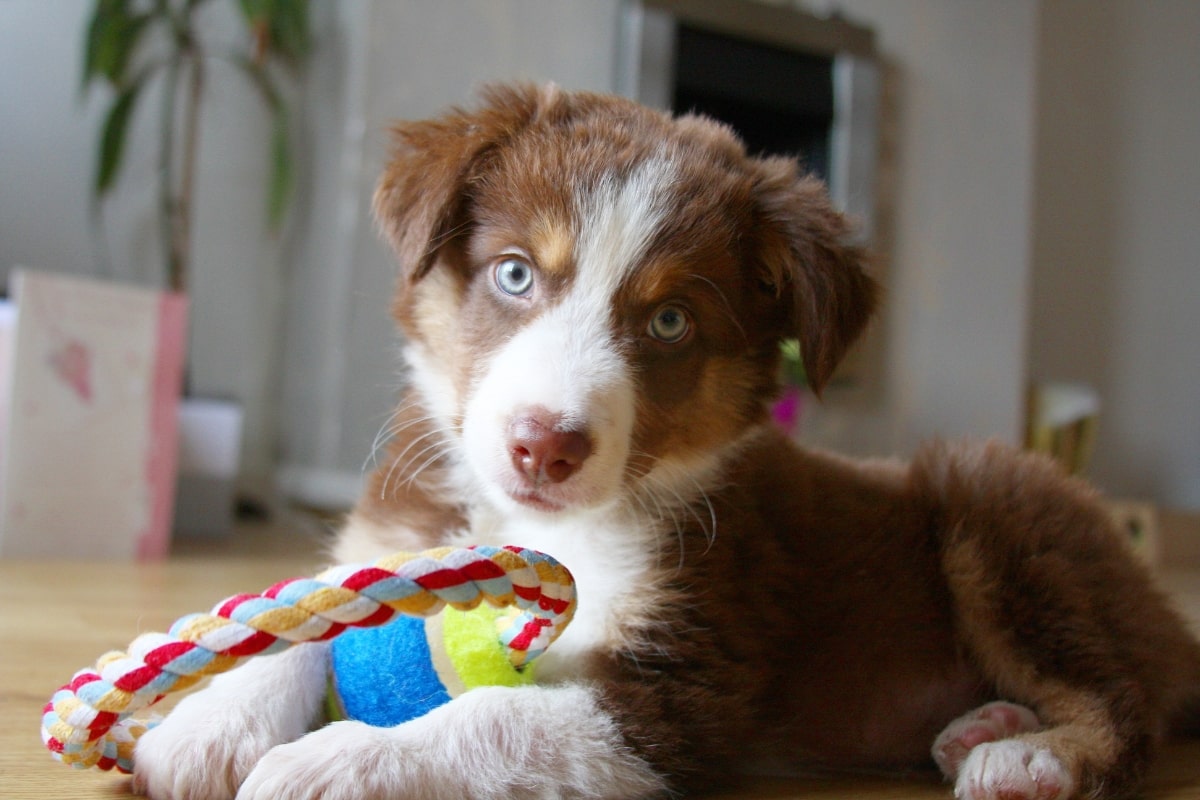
(1088, 752)
(1058, 617)
(209, 743)
(1100, 705)
(496, 742)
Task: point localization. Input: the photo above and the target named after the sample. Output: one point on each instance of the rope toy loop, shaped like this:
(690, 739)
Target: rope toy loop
(88, 723)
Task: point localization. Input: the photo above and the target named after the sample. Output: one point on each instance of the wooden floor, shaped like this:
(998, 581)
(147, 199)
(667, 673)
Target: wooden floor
(56, 618)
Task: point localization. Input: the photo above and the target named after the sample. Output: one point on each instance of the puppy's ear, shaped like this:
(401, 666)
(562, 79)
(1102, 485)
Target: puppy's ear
(420, 201)
(812, 268)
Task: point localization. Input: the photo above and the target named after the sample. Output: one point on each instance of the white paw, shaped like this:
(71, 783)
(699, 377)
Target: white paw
(342, 761)
(210, 742)
(1013, 769)
(492, 743)
(202, 751)
(988, 723)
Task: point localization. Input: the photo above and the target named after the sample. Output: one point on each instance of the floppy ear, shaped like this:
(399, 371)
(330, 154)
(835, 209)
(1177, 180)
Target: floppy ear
(812, 267)
(421, 198)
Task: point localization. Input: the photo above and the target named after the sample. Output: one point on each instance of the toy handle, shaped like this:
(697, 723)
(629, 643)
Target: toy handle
(86, 723)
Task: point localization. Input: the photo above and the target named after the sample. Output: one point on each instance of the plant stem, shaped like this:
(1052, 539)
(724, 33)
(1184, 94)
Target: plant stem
(166, 170)
(191, 129)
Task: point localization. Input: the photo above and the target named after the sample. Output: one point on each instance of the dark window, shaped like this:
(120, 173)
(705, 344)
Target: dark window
(780, 101)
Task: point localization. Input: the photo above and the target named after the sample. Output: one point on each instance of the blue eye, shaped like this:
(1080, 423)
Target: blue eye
(669, 324)
(514, 276)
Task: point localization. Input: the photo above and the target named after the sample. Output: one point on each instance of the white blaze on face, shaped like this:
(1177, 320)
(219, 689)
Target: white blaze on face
(565, 359)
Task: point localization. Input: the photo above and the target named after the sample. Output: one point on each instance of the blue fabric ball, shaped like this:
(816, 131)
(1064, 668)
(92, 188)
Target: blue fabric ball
(384, 676)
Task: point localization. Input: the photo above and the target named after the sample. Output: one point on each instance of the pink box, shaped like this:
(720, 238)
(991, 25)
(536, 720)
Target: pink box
(89, 391)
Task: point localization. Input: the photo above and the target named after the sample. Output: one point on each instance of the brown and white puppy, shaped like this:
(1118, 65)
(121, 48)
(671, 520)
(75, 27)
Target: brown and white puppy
(592, 296)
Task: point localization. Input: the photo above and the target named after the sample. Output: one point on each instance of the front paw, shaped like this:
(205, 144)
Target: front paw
(1013, 769)
(992, 722)
(213, 738)
(342, 761)
(200, 752)
(492, 743)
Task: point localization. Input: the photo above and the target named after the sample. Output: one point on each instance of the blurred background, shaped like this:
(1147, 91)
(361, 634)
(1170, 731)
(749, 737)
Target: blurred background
(1034, 198)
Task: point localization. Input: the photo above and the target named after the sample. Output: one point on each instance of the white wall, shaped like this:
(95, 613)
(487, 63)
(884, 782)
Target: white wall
(46, 141)
(1116, 300)
(957, 170)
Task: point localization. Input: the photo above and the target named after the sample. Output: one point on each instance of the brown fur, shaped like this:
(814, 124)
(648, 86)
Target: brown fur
(845, 612)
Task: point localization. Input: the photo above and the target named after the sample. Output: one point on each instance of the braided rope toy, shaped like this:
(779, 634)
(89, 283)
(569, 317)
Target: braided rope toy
(88, 721)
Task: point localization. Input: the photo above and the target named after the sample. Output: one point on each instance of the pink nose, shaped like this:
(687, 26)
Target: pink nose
(541, 451)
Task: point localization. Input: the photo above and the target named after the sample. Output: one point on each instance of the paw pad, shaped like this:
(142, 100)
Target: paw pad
(989, 723)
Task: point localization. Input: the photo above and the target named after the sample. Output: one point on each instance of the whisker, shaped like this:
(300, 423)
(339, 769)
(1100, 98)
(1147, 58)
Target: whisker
(644, 501)
(394, 423)
(403, 462)
(440, 449)
(669, 500)
(729, 312)
(436, 432)
(385, 432)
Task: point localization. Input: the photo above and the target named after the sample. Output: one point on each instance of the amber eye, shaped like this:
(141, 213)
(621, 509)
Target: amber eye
(514, 276)
(669, 325)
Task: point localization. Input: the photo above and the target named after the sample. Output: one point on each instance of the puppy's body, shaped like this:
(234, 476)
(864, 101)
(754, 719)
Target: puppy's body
(592, 297)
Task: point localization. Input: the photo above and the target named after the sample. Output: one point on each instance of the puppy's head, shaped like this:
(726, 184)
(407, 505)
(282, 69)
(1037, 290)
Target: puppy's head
(593, 293)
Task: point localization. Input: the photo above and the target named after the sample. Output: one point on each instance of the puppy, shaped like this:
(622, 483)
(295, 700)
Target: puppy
(592, 297)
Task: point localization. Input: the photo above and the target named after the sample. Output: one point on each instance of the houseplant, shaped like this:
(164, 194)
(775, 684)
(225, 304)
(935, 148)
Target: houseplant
(136, 48)
(132, 46)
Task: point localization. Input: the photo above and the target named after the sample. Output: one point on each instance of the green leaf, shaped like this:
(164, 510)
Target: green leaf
(113, 35)
(112, 138)
(285, 23)
(98, 31)
(792, 365)
(282, 177)
(252, 9)
(289, 29)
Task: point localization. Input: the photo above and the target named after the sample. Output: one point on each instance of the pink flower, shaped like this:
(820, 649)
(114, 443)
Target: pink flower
(787, 410)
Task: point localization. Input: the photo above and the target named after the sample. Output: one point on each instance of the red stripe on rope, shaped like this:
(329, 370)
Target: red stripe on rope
(484, 570)
(531, 630)
(230, 604)
(166, 653)
(274, 591)
(440, 579)
(530, 593)
(255, 643)
(103, 721)
(365, 577)
(334, 629)
(135, 679)
(80, 680)
(557, 606)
